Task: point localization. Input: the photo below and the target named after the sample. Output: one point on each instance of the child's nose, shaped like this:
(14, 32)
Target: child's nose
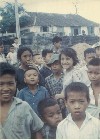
(77, 105)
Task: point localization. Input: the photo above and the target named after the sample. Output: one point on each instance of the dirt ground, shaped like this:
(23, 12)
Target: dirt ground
(79, 48)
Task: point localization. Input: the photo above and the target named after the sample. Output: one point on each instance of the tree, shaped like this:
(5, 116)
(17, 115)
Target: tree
(8, 22)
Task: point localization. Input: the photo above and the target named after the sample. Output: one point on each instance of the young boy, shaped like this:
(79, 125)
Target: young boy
(17, 119)
(16, 44)
(89, 54)
(57, 44)
(94, 87)
(38, 60)
(54, 82)
(78, 124)
(33, 93)
(45, 71)
(12, 56)
(51, 115)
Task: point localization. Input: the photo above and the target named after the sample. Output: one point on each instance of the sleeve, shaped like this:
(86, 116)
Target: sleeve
(47, 95)
(36, 123)
(99, 127)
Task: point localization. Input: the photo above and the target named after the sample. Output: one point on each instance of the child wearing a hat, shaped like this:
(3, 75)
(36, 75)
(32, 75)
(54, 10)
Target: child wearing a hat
(54, 82)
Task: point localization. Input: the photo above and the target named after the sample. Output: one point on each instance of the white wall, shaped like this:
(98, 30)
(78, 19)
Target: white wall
(97, 31)
(67, 31)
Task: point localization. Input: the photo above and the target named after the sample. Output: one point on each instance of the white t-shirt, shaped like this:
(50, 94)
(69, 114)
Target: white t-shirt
(12, 57)
(90, 129)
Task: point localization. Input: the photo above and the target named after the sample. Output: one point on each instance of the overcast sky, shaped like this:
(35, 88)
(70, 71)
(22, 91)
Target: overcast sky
(89, 9)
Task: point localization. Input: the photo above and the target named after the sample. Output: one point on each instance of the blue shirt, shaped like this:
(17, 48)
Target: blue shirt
(33, 99)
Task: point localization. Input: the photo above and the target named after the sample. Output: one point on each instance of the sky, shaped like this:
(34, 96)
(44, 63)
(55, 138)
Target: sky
(90, 9)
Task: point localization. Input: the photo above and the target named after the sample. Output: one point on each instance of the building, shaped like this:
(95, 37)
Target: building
(68, 24)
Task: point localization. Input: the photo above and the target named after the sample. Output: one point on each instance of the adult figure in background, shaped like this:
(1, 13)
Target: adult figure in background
(57, 44)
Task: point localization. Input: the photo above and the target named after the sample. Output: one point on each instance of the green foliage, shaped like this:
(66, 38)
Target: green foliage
(8, 22)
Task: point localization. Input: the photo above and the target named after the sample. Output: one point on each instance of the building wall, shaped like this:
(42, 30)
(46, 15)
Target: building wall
(67, 31)
(97, 31)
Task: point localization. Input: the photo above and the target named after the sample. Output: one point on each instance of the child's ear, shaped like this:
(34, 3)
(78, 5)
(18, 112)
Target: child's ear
(24, 80)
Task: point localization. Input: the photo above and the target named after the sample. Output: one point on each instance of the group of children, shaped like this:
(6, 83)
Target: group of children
(48, 97)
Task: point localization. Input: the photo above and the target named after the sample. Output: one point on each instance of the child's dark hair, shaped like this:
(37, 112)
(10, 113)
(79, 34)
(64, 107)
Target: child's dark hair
(89, 50)
(77, 87)
(32, 68)
(56, 39)
(21, 50)
(46, 51)
(45, 103)
(6, 68)
(94, 62)
(35, 54)
(15, 38)
(70, 53)
(1, 42)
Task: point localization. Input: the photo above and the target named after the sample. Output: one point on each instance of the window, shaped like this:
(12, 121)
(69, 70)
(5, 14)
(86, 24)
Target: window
(44, 29)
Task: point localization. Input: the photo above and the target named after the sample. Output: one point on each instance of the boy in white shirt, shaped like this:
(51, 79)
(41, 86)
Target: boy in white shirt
(12, 56)
(78, 124)
(89, 54)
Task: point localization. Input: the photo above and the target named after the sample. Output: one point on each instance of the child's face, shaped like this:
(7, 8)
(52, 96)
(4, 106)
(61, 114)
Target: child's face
(26, 58)
(12, 49)
(57, 44)
(97, 49)
(38, 59)
(56, 67)
(48, 57)
(89, 56)
(52, 115)
(77, 104)
(94, 73)
(66, 62)
(31, 77)
(7, 88)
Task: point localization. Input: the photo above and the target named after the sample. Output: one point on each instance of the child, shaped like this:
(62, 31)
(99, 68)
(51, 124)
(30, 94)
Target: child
(16, 44)
(12, 56)
(54, 82)
(78, 124)
(89, 54)
(17, 119)
(97, 49)
(51, 115)
(33, 93)
(25, 57)
(68, 58)
(57, 44)
(38, 60)
(45, 71)
(94, 87)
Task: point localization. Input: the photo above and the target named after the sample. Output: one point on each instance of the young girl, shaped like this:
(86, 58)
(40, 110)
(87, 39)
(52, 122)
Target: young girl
(25, 57)
(69, 60)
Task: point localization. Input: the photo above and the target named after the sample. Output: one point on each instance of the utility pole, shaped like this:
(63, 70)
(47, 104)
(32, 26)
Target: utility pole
(17, 22)
(76, 11)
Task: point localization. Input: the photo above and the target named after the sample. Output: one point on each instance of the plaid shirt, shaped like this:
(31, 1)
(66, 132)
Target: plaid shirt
(48, 132)
(53, 85)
